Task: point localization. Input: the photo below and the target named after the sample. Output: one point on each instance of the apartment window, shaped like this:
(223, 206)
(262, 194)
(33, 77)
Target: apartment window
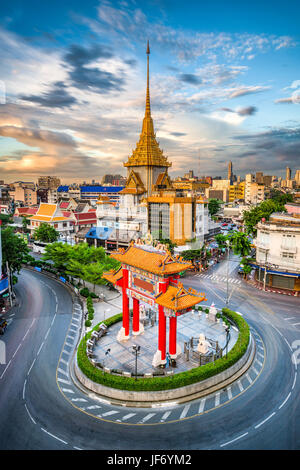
(159, 220)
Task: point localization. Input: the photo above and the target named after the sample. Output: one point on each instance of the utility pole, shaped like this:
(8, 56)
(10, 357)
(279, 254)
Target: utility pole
(265, 274)
(227, 285)
(9, 283)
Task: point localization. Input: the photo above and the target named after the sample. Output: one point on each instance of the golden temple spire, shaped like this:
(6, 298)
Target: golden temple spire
(148, 110)
(147, 151)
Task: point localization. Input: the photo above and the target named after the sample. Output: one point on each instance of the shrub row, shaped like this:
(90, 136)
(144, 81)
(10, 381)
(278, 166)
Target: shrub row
(91, 311)
(167, 382)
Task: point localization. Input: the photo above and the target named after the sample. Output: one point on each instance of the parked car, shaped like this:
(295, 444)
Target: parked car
(3, 326)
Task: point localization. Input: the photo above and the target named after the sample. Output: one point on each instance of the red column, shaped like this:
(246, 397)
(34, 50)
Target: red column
(125, 302)
(172, 336)
(136, 316)
(162, 332)
(162, 324)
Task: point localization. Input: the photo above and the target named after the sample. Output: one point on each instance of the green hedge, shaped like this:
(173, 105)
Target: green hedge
(167, 382)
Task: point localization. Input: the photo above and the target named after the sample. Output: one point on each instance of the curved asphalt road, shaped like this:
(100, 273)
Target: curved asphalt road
(37, 411)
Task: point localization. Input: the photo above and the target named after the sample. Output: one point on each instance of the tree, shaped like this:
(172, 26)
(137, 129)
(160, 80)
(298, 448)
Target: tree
(59, 253)
(221, 240)
(280, 196)
(263, 210)
(25, 223)
(14, 250)
(214, 206)
(46, 233)
(240, 243)
(5, 219)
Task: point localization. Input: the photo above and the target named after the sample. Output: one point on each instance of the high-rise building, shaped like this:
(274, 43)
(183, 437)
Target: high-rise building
(288, 173)
(230, 176)
(48, 182)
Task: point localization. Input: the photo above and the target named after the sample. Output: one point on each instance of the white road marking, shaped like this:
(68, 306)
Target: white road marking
(202, 405)
(233, 440)
(93, 407)
(24, 386)
(249, 378)
(79, 399)
(17, 350)
(165, 415)
(294, 381)
(109, 413)
(217, 399)
(67, 382)
(31, 366)
(130, 415)
(260, 424)
(229, 392)
(62, 372)
(67, 390)
(55, 437)
(46, 336)
(254, 370)
(147, 417)
(40, 348)
(284, 402)
(29, 414)
(294, 324)
(240, 385)
(184, 411)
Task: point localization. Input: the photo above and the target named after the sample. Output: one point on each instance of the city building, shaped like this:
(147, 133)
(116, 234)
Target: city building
(236, 191)
(277, 251)
(230, 175)
(48, 182)
(254, 192)
(23, 195)
(51, 214)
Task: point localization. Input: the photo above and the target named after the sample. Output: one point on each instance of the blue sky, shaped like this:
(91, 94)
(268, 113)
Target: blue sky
(224, 85)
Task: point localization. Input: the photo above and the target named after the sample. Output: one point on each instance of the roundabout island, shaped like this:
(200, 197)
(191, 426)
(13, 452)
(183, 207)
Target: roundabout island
(125, 358)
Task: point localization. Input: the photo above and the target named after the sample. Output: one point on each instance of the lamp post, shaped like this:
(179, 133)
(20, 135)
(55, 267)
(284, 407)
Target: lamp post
(227, 337)
(265, 273)
(227, 282)
(106, 354)
(136, 351)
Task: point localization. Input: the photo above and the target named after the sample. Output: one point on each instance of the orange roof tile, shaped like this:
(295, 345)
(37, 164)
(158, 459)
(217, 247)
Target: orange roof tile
(179, 298)
(113, 276)
(151, 261)
(47, 210)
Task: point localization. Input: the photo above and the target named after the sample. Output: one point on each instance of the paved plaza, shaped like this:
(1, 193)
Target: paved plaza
(189, 325)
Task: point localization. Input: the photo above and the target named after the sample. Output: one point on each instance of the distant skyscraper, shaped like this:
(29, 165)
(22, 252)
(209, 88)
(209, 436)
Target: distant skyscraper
(288, 173)
(230, 172)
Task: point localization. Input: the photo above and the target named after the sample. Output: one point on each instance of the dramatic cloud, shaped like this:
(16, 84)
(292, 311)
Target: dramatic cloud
(247, 91)
(189, 78)
(57, 97)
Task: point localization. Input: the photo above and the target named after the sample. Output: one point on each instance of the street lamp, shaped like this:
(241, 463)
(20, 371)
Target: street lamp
(106, 354)
(227, 329)
(227, 285)
(136, 351)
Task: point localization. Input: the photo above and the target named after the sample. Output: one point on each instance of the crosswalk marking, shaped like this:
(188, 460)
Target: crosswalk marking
(240, 385)
(165, 415)
(79, 399)
(67, 382)
(217, 278)
(147, 417)
(184, 411)
(229, 392)
(217, 399)
(109, 413)
(201, 406)
(93, 407)
(249, 378)
(130, 415)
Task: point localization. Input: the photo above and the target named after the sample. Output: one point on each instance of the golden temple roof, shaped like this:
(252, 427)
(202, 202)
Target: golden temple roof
(147, 151)
(179, 298)
(151, 261)
(113, 276)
